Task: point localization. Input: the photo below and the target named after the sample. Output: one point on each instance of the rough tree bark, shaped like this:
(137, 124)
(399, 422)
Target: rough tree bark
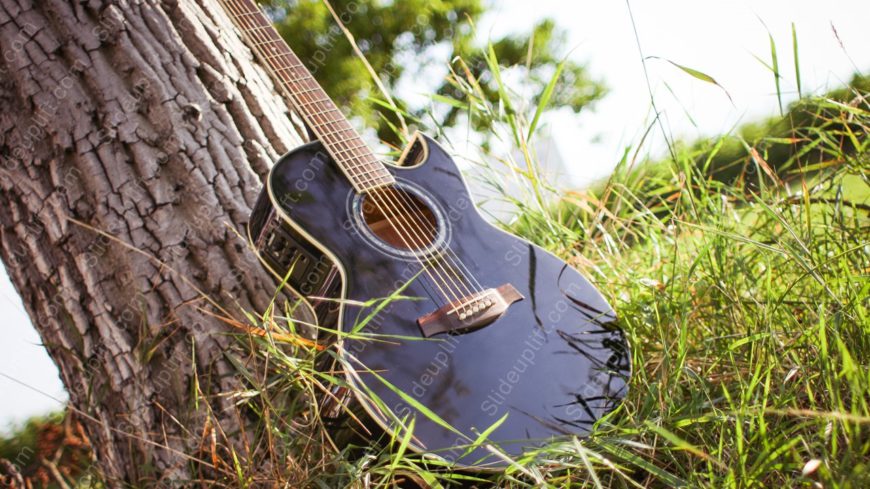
(146, 120)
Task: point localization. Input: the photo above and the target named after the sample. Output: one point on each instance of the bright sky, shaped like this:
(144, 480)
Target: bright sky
(717, 38)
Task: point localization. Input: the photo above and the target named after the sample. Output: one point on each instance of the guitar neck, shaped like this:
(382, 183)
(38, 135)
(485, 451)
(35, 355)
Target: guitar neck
(356, 160)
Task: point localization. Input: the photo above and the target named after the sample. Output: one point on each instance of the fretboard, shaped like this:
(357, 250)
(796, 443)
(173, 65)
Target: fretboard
(364, 170)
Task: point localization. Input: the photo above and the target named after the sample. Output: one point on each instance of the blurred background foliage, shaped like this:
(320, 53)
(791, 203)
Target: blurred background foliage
(49, 452)
(409, 43)
(784, 141)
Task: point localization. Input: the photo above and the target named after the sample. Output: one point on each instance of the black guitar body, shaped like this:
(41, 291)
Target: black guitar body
(552, 360)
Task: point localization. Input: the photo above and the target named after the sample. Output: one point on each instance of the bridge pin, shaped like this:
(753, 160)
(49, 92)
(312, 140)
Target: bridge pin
(462, 316)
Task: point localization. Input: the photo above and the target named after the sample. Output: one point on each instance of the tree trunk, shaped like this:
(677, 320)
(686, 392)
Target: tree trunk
(147, 121)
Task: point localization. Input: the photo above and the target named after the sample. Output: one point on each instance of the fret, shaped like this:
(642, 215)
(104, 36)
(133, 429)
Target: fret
(355, 142)
(386, 176)
(359, 172)
(328, 109)
(295, 69)
(363, 158)
(373, 171)
(282, 61)
(344, 146)
(334, 129)
(329, 127)
(322, 97)
(273, 56)
(347, 149)
(321, 118)
(318, 101)
(287, 68)
(369, 183)
(336, 126)
(339, 132)
(360, 160)
(367, 167)
(377, 183)
(300, 79)
(345, 142)
(310, 90)
(372, 182)
(257, 28)
(305, 103)
(246, 14)
(318, 117)
(279, 42)
(373, 177)
(300, 82)
(349, 146)
(329, 130)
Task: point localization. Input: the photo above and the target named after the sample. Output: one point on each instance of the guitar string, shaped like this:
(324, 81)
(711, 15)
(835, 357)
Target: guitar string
(465, 271)
(240, 14)
(332, 134)
(388, 194)
(459, 268)
(421, 226)
(392, 198)
(387, 199)
(460, 271)
(300, 103)
(395, 198)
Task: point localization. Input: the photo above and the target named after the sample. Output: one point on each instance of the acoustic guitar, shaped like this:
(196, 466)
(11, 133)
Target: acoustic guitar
(478, 331)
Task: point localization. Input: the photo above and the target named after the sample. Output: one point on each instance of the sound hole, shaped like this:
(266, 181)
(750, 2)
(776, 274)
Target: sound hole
(399, 218)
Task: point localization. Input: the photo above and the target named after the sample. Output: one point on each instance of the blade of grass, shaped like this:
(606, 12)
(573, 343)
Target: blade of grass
(797, 65)
(700, 75)
(544, 99)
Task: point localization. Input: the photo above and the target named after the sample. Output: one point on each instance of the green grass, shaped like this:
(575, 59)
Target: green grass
(745, 302)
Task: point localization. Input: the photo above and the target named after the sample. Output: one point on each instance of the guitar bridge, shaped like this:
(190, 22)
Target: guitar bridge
(470, 313)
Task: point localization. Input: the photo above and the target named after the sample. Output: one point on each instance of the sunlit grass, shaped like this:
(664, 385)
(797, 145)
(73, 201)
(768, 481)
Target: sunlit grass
(744, 298)
(745, 302)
